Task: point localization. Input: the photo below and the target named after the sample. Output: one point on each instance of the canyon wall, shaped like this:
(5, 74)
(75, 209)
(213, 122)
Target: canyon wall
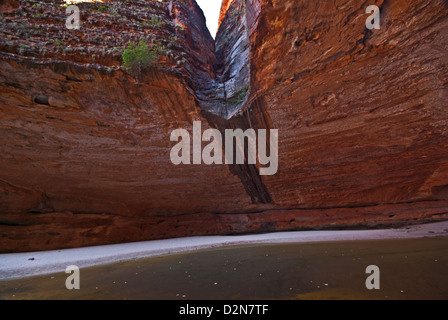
(85, 144)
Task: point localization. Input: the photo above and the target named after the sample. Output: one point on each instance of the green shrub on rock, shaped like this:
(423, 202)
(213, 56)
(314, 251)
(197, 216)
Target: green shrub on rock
(138, 57)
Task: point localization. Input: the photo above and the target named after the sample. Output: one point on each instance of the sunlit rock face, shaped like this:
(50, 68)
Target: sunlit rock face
(85, 146)
(8, 5)
(362, 113)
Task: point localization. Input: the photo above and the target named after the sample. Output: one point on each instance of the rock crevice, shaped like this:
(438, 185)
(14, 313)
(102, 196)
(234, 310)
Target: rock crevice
(227, 92)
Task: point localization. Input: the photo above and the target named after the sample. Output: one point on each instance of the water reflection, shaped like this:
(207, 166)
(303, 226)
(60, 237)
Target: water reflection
(410, 269)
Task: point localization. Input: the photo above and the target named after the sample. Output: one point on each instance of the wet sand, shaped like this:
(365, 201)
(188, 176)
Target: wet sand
(410, 269)
(413, 263)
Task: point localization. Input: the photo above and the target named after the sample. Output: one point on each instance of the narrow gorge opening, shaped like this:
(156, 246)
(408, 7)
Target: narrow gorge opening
(227, 92)
(225, 96)
(211, 9)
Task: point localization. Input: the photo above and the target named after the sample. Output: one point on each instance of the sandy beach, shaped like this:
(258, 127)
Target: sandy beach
(38, 263)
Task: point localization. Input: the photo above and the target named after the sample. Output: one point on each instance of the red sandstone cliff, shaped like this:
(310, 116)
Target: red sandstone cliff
(85, 146)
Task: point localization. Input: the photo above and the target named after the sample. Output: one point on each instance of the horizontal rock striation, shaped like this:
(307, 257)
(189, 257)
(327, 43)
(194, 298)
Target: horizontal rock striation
(85, 145)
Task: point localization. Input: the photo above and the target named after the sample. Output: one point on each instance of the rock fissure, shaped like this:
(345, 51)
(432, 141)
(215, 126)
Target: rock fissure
(226, 93)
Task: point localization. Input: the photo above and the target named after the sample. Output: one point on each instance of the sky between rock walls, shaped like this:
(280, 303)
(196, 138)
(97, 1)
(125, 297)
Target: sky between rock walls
(211, 10)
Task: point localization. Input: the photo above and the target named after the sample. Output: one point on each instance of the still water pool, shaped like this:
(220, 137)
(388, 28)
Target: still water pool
(410, 269)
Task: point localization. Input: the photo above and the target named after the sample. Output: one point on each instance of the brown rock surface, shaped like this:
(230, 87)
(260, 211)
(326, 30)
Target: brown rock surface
(8, 5)
(362, 119)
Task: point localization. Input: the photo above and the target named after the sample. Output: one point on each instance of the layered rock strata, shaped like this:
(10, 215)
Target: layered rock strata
(85, 146)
